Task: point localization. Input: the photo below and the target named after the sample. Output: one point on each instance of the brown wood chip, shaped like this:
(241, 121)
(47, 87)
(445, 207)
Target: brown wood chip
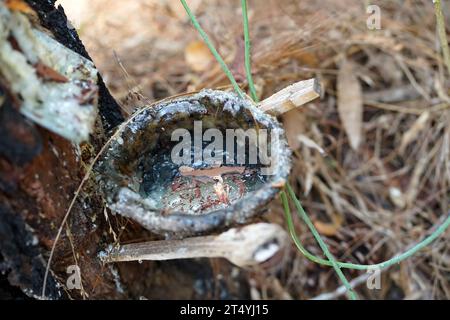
(49, 74)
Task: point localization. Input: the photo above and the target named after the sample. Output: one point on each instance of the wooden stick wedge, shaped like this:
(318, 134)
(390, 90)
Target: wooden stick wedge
(291, 97)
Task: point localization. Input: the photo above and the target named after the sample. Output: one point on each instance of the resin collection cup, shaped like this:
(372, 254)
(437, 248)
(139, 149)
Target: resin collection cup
(220, 183)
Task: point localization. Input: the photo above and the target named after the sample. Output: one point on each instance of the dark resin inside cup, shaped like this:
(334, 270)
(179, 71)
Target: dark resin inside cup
(142, 178)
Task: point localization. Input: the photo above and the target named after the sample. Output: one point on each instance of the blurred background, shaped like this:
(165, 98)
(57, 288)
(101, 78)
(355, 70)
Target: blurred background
(371, 156)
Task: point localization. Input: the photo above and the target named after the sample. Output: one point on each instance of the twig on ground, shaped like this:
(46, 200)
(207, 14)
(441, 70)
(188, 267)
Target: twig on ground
(246, 246)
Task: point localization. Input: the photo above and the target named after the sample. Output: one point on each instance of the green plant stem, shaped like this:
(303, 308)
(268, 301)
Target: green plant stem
(213, 50)
(382, 265)
(248, 65)
(441, 32)
(351, 294)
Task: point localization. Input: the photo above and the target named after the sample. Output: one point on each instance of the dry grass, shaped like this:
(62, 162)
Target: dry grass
(372, 202)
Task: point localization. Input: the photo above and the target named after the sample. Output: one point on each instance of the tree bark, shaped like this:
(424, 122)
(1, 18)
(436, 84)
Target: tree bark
(39, 173)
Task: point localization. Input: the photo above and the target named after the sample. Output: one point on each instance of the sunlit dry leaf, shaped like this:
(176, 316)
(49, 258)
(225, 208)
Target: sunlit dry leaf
(350, 103)
(308, 59)
(198, 56)
(329, 229)
(294, 125)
